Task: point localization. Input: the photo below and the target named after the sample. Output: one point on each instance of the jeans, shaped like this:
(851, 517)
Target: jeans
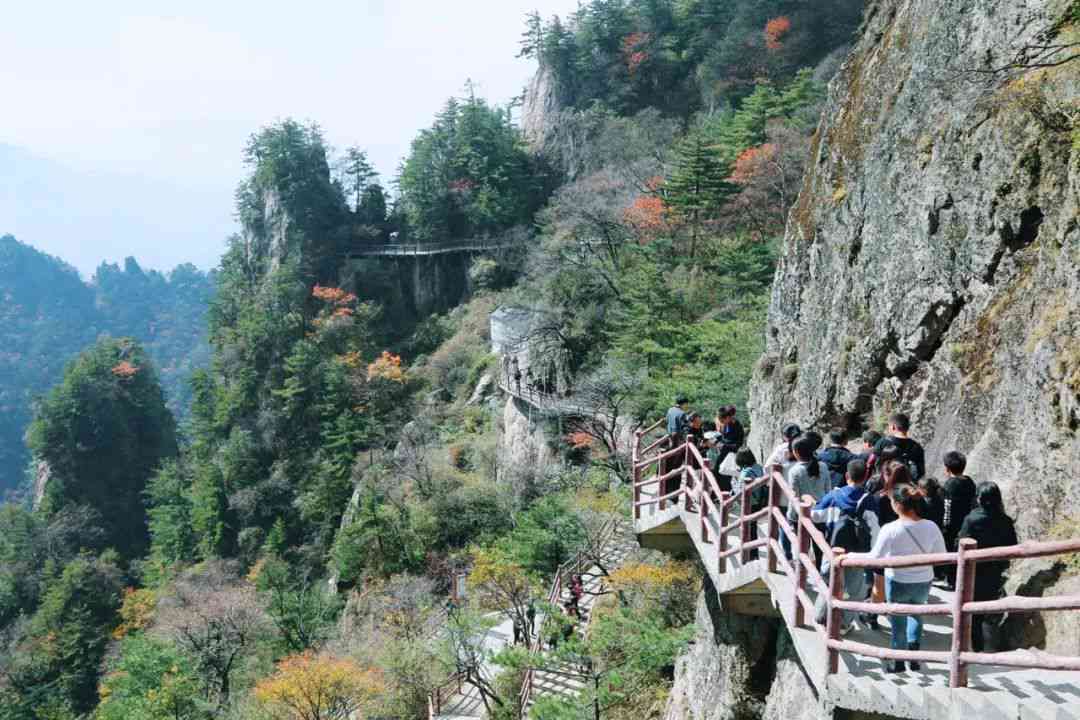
(854, 589)
(907, 594)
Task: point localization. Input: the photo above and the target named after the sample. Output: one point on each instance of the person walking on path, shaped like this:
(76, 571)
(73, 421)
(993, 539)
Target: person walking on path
(880, 491)
(911, 534)
(910, 452)
(849, 524)
(530, 620)
(990, 527)
(678, 423)
(836, 456)
(809, 476)
(731, 438)
(959, 492)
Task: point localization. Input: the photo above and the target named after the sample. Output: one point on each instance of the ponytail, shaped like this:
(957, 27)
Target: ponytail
(911, 499)
(804, 448)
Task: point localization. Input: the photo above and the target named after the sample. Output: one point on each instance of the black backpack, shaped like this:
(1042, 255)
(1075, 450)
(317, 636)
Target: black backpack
(904, 456)
(851, 531)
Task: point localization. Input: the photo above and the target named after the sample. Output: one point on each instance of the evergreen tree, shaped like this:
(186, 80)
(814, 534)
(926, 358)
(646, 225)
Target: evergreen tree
(100, 435)
(698, 186)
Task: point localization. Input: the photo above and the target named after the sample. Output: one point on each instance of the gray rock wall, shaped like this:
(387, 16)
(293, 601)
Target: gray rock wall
(932, 261)
(727, 672)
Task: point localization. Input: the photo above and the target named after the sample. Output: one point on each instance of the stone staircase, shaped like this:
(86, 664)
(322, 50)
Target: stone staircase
(560, 680)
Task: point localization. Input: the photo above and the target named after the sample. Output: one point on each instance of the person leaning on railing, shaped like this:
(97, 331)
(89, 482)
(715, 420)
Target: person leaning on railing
(909, 535)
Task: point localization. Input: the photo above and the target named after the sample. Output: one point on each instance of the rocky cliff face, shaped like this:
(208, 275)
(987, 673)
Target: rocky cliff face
(541, 106)
(932, 261)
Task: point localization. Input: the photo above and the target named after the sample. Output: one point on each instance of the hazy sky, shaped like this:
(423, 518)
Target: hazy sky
(169, 92)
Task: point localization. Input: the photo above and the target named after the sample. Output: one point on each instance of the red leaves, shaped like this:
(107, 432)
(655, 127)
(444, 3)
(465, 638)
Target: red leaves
(634, 50)
(580, 440)
(775, 31)
(751, 163)
(125, 370)
(333, 296)
(647, 214)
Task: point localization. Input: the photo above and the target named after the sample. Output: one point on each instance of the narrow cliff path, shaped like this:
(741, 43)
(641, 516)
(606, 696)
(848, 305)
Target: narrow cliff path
(1000, 686)
(553, 681)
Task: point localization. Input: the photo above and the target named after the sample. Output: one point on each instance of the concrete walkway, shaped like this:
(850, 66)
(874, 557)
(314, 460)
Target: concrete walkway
(994, 693)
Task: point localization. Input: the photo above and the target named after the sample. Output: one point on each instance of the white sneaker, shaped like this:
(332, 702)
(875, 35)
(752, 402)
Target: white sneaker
(851, 627)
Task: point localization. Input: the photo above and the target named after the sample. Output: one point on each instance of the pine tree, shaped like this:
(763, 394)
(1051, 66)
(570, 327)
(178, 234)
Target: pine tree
(698, 187)
(102, 433)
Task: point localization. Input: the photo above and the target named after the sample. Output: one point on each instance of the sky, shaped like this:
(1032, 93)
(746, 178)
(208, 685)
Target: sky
(144, 107)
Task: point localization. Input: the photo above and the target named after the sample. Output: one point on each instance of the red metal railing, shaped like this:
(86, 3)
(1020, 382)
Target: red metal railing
(704, 499)
(574, 566)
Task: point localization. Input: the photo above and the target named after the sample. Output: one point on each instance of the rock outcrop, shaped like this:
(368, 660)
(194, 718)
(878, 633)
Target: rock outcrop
(727, 673)
(541, 106)
(932, 261)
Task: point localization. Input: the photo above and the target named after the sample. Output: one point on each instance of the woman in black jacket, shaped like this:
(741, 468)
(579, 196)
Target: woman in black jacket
(989, 526)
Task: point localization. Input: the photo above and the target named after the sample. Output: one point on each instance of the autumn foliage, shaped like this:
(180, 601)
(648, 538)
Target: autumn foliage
(633, 48)
(580, 440)
(647, 214)
(319, 687)
(386, 367)
(752, 161)
(125, 370)
(333, 296)
(775, 32)
(136, 612)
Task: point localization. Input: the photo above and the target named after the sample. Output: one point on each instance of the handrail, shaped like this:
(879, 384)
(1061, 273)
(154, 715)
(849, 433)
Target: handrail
(573, 566)
(428, 248)
(700, 484)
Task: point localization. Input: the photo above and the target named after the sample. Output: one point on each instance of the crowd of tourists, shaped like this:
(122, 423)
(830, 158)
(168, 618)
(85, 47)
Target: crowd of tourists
(877, 502)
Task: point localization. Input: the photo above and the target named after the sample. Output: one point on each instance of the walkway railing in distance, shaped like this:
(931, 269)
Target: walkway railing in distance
(452, 686)
(574, 566)
(429, 248)
(703, 497)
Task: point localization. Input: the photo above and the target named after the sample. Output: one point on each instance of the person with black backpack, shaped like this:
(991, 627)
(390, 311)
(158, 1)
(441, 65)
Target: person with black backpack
(836, 457)
(851, 524)
(910, 452)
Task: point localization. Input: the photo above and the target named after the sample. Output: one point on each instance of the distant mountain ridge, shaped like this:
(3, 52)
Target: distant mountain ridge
(48, 315)
(87, 215)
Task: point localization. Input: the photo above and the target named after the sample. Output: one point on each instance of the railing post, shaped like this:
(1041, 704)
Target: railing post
(773, 526)
(745, 526)
(965, 593)
(636, 473)
(836, 615)
(800, 566)
(721, 540)
(686, 476)
(703, 505)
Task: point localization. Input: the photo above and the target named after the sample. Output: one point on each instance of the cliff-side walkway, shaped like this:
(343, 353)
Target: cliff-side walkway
(742, 554)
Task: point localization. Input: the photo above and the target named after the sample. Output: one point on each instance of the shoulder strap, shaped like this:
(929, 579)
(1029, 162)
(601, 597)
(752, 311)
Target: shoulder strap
(913, 538)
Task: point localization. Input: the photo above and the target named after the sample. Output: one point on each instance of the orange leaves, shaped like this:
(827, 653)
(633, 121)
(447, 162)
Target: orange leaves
(634, 50)
(648, 214)
(333, 296)
(386, 367)
(580, 440)
(319, 687)
(752, 161)
(775, 31)
(125, 370)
